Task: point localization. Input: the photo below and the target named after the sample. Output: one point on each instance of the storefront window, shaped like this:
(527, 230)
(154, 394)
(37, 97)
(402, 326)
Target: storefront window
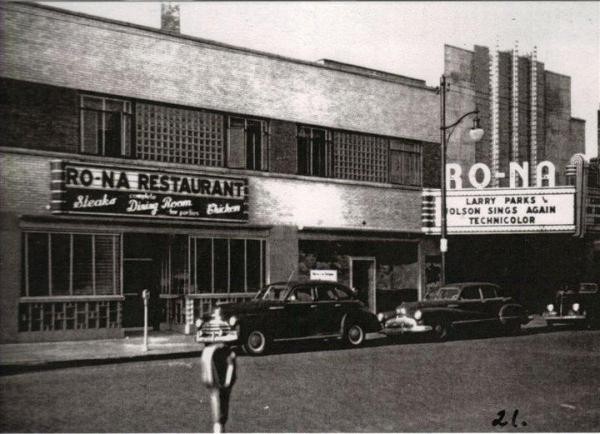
(71, 264)
(82, 265)
(225, 265)
(61, 244)
(174, 265)
(397, 262)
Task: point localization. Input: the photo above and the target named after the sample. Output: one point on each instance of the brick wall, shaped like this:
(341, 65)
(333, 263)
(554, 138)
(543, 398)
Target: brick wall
(460, 99)
(102, 56)
(273, 200)
(431, 165)
(577, 135)
(557, 146)
(541, 111)
(282, 202)
(524, 108)
(481, 80)
(558, 135)
(24, 189)
(38, 116)
(283, 153)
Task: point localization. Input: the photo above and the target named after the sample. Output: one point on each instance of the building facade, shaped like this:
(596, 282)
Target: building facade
(524, 109)
(135, 158)
(526, 113)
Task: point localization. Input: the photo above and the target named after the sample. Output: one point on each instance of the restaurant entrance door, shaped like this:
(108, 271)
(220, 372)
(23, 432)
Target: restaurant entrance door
(141, 267)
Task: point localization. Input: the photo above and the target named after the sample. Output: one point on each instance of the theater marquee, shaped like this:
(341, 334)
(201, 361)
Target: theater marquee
(496, 210)
(125, 191)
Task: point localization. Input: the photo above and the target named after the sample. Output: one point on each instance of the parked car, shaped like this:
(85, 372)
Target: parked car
(579, 305)
(456, 306)
(288, 311)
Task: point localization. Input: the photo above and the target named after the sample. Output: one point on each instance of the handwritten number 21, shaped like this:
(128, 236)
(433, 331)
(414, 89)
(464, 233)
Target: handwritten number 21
(501, 422)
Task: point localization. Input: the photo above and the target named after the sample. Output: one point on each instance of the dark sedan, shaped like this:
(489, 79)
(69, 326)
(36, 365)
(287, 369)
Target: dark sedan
(456, 306)
(290, 311)
(580, 306)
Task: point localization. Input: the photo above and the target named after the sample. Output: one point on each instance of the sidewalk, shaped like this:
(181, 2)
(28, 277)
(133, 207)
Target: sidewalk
(161, 345)
(48, 355)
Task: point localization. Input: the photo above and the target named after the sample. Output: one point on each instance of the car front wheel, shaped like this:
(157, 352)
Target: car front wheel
(355, 335)
(440, 331)
(255, 343)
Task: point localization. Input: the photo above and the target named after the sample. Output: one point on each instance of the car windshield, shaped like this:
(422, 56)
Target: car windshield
(448, 294)
(272, 292)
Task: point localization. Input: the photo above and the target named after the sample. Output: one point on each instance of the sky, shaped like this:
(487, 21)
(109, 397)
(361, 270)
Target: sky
(405, 38)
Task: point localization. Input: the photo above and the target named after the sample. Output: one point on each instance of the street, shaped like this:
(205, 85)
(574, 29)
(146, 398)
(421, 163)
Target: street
(550, 377)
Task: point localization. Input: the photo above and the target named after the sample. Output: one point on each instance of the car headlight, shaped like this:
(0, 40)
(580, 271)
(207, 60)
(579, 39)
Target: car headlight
(198, 323)
(418, 315)
(401, 311)
(550, 307)
(380, 317)
(575, 307)
(232, 321)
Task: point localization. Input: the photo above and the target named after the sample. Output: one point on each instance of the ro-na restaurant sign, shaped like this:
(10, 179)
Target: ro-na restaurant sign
(123, 191)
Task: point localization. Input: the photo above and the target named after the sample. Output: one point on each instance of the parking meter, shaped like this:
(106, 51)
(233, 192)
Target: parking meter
(145, 297)
(218, 375)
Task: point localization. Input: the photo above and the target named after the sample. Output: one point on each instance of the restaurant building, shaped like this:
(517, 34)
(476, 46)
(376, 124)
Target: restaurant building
(138, 158)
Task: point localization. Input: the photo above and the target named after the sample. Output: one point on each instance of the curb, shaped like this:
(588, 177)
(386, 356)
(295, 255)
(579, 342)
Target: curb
(23, 367)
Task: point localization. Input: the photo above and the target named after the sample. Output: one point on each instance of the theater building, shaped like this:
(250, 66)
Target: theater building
(138, 158)
(526, 113)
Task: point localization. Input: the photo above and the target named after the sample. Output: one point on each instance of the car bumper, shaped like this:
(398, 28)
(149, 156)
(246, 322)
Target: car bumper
(214, 337)
(402, 325)
(563, 318)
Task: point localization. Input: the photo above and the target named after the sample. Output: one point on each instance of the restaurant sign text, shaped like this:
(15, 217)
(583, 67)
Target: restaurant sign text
(111, 190)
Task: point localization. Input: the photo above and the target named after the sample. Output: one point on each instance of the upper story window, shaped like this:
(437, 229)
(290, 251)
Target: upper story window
(178, 135)
(105, 126)
(405, 162)
(361, 157)
(315, 152)
(247, 144)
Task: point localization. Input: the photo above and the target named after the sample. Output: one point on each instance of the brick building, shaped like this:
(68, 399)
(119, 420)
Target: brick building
(526, 113)
(135, 158)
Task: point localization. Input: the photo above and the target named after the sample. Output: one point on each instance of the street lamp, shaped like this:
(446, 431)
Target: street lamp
(476, 133)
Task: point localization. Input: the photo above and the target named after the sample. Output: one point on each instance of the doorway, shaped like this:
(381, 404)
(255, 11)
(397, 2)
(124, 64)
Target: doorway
(141, 266)
(363, 279)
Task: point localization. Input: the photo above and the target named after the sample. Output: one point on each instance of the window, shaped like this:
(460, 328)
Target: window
(341, 293)
(105, 126)
(221, 265)
(361, 157)
(71, 264)
(488, 292)
(470, 293)
(326, 293)
(405, 162)
(247, 144)
(177, 135)
(302, 294)
(315, 152)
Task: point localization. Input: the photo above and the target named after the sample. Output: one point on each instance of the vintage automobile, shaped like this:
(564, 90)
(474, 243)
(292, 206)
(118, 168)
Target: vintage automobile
(456, 306)
(579, 305)
(289, 311)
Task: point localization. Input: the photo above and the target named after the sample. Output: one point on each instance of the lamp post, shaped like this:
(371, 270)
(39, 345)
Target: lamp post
(476, 133)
